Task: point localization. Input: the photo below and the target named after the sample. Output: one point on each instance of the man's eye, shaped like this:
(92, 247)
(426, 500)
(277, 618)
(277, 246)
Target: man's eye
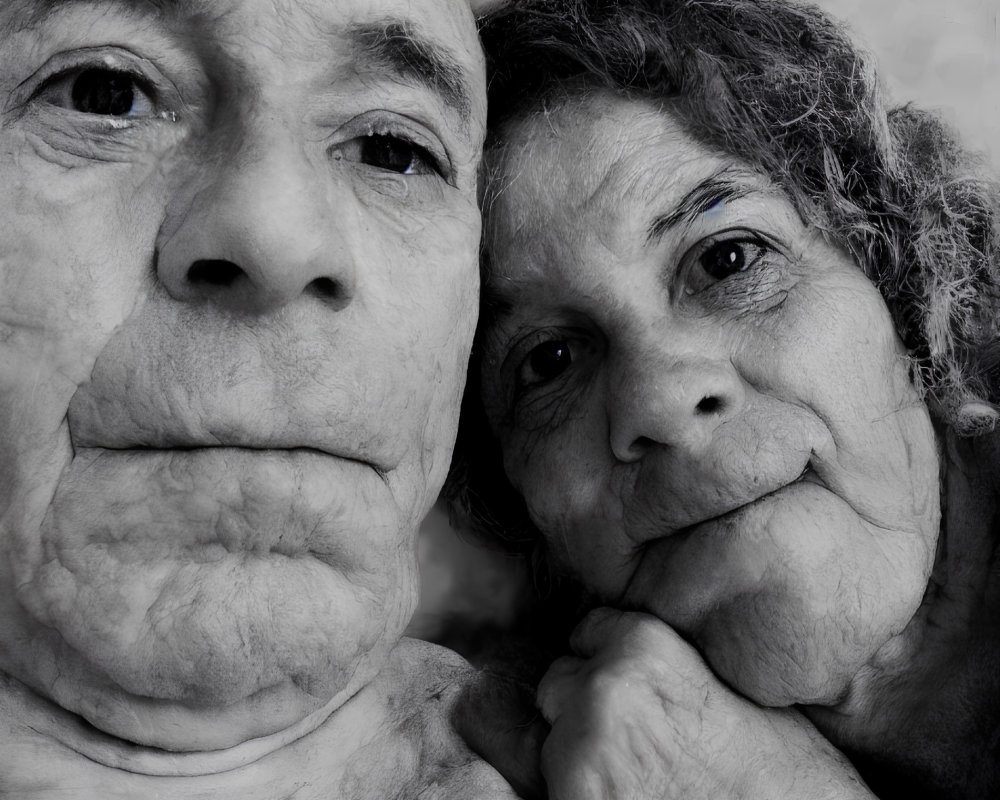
(102, 91)
(393, 154)
(544, 363)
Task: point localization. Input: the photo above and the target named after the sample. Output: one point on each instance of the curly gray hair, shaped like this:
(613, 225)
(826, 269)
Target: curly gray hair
(782, 87)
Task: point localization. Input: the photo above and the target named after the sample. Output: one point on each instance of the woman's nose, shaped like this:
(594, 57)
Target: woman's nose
(675, 402)
(257, 230)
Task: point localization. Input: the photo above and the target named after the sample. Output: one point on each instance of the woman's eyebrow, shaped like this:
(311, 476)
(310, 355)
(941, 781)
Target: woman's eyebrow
(727, 184)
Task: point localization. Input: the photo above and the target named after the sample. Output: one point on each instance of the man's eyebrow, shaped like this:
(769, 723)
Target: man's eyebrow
(394, 45)
(723, 186)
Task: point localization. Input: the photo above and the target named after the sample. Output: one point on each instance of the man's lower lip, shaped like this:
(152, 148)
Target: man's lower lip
(201, 499)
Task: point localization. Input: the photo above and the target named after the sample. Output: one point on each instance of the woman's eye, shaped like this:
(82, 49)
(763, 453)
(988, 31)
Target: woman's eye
(720, 257)
(394, 154)
(544, 374)
(544, 363)
(727, 258)
(101, 91)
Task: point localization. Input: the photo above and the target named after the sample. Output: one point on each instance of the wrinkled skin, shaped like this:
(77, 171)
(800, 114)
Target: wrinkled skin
(238, 285)
(709, 414)
(639, 714)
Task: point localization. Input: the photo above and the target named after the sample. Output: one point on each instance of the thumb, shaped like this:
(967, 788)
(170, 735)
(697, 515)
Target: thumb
(497, 718)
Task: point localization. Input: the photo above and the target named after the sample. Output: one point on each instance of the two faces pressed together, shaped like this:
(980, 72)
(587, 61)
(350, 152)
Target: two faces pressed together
(238, 291)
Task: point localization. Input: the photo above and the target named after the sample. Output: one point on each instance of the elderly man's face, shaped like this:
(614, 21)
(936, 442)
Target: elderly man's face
(703, 402)
(237, 290)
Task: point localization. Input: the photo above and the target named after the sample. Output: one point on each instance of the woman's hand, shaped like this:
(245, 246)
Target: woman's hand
(638, 714)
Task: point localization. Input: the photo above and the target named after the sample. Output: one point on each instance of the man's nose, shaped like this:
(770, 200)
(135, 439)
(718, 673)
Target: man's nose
(671, 400)
(257, 230)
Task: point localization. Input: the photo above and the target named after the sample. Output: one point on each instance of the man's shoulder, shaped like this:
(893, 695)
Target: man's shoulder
(431, 673)
(419, 691)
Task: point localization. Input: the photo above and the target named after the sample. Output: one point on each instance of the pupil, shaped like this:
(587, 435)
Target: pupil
(549, 359)
(388, 152)
(724, 260)
(102, 91)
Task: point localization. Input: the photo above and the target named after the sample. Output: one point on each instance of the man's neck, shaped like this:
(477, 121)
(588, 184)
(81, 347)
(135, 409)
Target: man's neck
(391, 738)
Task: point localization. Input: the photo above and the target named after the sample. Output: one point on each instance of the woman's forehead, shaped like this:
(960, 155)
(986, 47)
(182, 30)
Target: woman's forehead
(607, 162)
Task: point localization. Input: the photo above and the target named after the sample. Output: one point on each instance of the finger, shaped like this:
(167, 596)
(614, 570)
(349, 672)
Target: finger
(595, 630)
(558, 687)
(627, 634)
(570, 777)
(497, 718)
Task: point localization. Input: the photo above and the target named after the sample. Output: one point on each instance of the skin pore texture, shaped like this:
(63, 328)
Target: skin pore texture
(238, 287)
(702, 401)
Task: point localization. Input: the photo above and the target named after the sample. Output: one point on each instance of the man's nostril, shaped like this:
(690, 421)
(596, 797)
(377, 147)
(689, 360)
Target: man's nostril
(214, 272)
(709, 405)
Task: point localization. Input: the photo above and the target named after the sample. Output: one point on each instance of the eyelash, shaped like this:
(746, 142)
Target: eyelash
(538, 401)
(122, 65)
(694, 275)
(388, 127)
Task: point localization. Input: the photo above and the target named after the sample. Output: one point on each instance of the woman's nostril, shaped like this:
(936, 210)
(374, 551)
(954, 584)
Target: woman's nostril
(324, 287)
(214, 272)
(709, 405)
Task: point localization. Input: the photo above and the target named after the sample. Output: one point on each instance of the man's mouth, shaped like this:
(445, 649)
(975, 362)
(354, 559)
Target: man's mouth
(218, 498)
(242, 448)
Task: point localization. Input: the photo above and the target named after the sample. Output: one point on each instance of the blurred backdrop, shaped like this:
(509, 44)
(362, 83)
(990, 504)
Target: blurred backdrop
(939, 54)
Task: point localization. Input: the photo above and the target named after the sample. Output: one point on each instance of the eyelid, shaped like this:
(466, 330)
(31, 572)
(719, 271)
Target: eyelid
(521, 349)
(688, 261)
(112, 57)
(392, 123)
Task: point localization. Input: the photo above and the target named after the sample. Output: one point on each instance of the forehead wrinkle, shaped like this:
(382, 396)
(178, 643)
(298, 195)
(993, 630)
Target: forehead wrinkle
(37, 11)
(395, 46)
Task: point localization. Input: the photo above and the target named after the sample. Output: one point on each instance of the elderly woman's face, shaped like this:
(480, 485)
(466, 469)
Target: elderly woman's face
(238, 284)
(703, 402)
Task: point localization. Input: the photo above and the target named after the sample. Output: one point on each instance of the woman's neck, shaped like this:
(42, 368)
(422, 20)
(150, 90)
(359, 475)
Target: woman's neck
(926, 711)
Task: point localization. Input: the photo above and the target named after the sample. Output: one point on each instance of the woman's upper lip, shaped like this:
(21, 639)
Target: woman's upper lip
(807, 474)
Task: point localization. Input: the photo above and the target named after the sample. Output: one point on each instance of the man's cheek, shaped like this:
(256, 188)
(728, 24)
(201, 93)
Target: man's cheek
(69, 279)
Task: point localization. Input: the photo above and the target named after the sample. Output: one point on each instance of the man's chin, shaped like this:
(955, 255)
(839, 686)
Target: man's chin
(233, 651)
(193, 600)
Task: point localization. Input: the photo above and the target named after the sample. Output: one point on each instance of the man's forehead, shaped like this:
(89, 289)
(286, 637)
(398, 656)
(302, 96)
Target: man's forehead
(418, 43)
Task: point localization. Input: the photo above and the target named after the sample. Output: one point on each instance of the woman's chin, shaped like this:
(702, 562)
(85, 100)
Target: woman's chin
(787, 598)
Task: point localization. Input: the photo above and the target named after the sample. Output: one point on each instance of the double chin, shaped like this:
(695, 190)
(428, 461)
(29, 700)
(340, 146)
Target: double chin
(787, 597)
(191, 599)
